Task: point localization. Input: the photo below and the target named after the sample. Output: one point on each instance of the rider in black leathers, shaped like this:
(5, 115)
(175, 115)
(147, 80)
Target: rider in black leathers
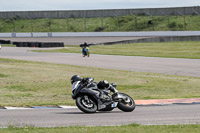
(103, 86)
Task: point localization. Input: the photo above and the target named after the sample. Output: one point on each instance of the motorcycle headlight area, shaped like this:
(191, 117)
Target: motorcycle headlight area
(75, 85)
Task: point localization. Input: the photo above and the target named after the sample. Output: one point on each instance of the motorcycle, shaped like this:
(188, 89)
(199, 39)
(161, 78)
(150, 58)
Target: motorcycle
(85, 52)
(89, 98)
(85, 49)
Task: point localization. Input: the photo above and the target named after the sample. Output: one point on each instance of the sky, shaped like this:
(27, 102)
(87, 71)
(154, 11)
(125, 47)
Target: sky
(35, 5)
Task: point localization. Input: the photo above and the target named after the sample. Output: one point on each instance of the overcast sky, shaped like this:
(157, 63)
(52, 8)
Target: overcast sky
(33, 5)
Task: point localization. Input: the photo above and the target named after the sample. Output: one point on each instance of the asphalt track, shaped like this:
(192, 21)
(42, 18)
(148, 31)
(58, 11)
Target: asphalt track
(174, 66)
(148, 115)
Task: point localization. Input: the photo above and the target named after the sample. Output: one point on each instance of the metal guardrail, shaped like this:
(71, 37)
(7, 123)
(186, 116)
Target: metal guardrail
(102, 34)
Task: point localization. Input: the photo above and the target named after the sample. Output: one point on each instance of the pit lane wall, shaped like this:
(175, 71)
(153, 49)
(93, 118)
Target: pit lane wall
(194, 10)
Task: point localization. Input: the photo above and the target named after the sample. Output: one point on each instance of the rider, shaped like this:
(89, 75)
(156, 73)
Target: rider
(75, 78)
(102, 85)
(85, 49)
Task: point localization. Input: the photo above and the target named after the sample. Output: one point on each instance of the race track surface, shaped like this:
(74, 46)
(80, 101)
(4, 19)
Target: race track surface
(146, 115)
(174, 66)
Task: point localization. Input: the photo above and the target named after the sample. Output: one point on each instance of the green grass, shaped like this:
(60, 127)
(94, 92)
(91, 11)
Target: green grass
(24, 83)
(8, 45)
(122, 23)
(189, 49)
(133, 128)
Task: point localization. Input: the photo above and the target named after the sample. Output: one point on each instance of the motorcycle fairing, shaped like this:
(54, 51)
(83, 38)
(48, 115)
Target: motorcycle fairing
(95, 93)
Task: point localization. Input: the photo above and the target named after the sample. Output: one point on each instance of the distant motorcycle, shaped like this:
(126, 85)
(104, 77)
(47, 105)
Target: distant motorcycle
(89, 98)
(85, 49)
(85, 52)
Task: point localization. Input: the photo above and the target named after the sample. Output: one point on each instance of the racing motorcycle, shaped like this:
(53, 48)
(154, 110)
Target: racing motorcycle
(89, 98)
(85, 49)
(85, 52)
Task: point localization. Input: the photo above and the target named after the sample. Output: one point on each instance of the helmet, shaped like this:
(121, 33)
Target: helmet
(75, 78)
(103, 84)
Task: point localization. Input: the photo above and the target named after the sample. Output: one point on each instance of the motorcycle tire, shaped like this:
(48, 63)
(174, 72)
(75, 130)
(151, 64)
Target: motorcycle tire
(126, 107)
(83, 106)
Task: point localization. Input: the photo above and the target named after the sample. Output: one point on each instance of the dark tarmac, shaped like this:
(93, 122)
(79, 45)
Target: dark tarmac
(145, 115)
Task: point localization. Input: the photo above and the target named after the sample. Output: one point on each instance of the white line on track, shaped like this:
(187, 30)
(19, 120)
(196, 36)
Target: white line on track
(16, 108)
(23, 108)
(68, 107)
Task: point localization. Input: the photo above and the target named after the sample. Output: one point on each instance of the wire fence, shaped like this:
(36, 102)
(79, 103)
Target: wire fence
(117, 23)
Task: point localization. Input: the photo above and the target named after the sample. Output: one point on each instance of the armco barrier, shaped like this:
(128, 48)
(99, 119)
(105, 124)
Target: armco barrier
(51, 44)
(104, 34)
(155, 39)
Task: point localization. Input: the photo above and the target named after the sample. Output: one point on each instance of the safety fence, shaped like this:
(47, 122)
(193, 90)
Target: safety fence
(194, 10)
(107, 24)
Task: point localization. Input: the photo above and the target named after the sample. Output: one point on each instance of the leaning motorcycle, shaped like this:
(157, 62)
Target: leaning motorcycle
(90, 99)
(86, 52)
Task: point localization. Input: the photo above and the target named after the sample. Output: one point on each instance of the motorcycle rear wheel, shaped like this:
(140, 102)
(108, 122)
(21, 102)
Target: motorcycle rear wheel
(84, 106)
(126, 106)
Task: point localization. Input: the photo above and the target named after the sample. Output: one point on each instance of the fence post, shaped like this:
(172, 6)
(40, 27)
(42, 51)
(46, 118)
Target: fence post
(184, 19)
(153, 23)
(118, 23)
(68, 24)
(50, 25)
(85, 27)
(168, 22)
(31, 25)
(102, 22)
(185, 22)
(31, 28)
(135, 23)
(14, 26)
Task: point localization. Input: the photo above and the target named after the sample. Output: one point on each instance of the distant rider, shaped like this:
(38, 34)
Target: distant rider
(85, 49)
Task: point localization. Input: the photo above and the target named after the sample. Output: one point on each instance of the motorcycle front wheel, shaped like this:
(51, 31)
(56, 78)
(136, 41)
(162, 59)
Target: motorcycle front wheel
(127, 104)
(86, 105)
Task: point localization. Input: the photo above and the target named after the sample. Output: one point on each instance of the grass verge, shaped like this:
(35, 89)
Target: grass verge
(133, 128)
(189, 49)
(8, 45)
(24, 83)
